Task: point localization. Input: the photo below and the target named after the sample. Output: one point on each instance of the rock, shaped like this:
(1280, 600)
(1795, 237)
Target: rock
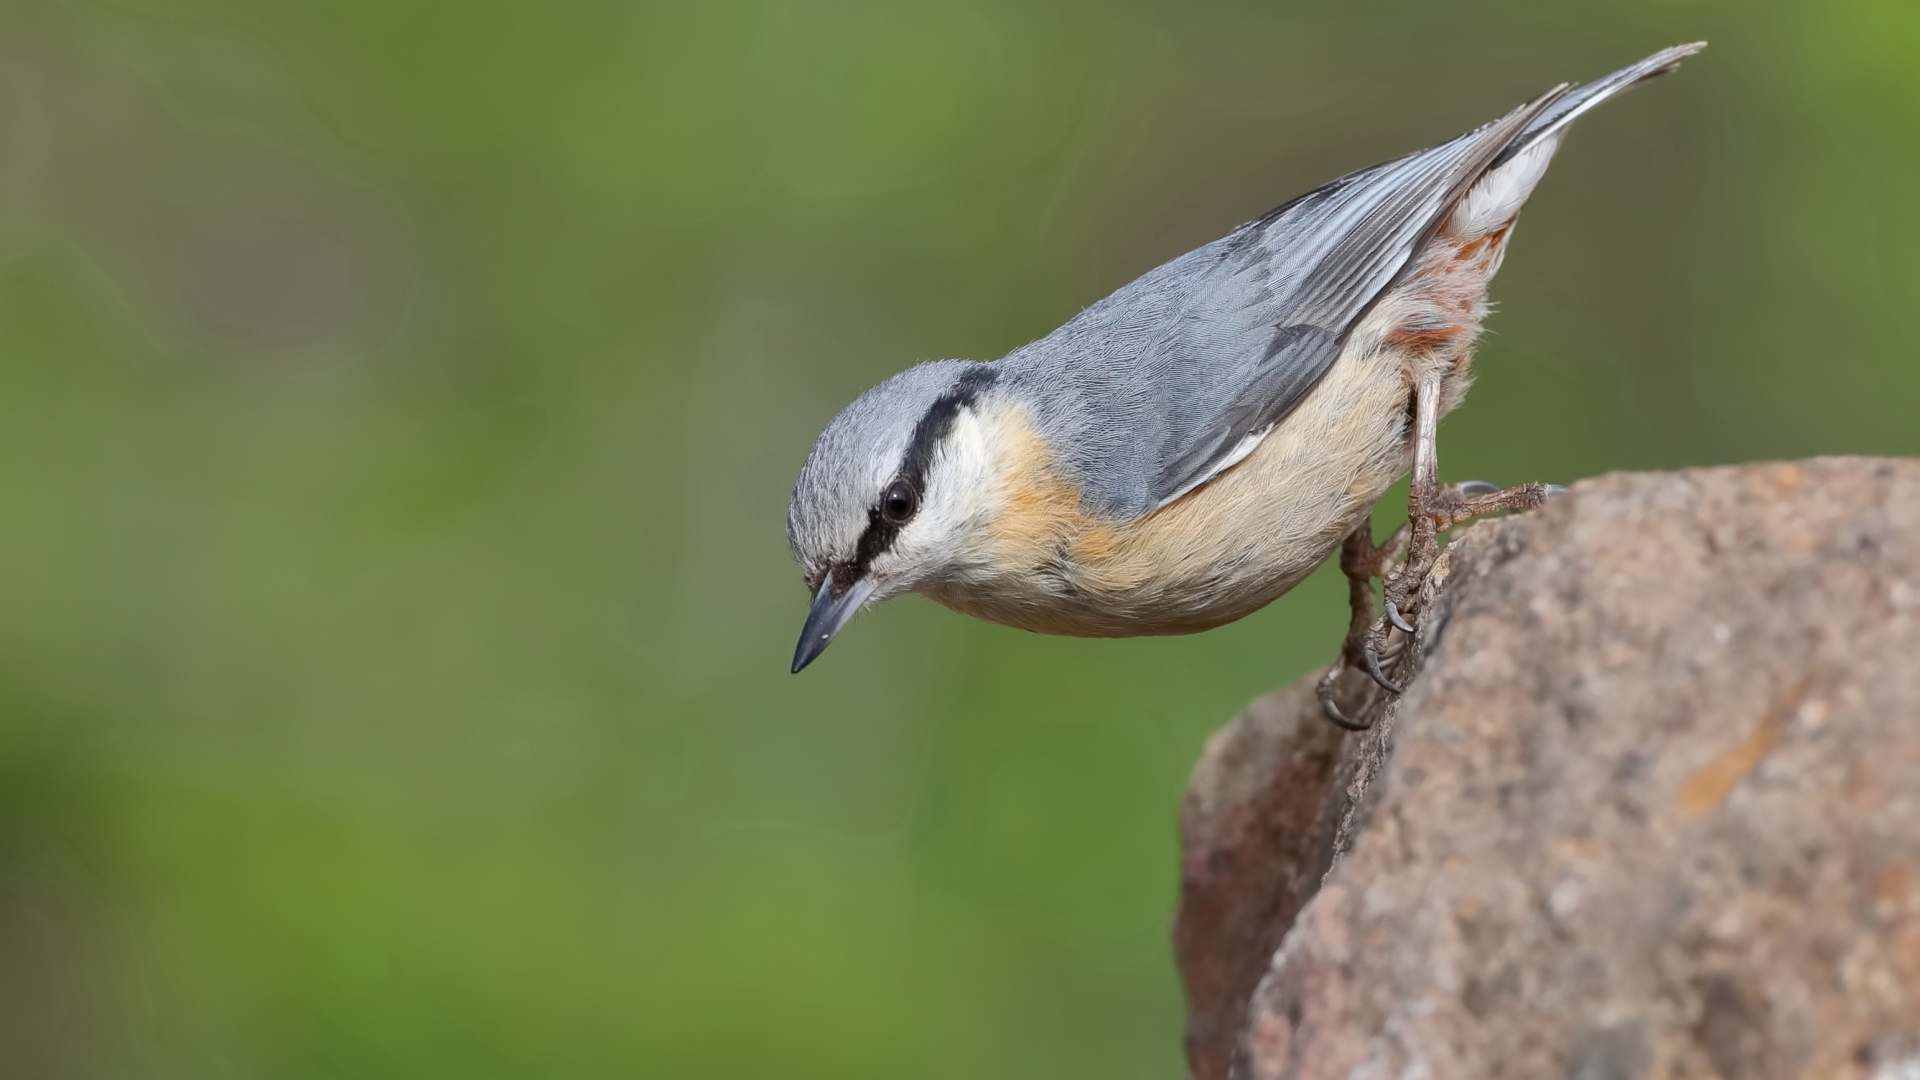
(1651, 809)
(1257, 831)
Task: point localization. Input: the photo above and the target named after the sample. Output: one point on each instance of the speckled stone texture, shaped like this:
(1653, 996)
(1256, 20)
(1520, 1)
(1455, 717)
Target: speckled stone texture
(1651, 809)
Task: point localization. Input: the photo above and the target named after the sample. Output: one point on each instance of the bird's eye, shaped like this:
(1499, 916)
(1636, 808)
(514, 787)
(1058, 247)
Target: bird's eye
(898, 502)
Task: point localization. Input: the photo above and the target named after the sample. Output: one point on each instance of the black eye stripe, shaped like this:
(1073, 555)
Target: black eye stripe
(938, 422)
(927, 435)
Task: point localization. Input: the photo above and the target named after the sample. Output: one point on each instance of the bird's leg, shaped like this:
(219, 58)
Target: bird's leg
(1361, 560)
(1431, 510)
(1402, 584)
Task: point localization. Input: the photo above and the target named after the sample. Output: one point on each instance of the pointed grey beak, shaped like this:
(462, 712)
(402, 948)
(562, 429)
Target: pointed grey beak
(828, 615)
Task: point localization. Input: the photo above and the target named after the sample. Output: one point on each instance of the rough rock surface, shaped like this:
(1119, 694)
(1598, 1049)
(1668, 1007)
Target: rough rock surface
(1651, 809)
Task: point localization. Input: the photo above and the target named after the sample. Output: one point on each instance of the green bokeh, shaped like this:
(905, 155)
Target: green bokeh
(398, 400)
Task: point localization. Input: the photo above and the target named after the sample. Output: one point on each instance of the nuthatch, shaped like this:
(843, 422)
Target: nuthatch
(1189, 448)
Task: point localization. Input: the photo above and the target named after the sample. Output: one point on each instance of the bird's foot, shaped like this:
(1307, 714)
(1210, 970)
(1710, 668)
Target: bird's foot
(1405, 587)
(1382, 647)
(1361, 560)
(1471, 499)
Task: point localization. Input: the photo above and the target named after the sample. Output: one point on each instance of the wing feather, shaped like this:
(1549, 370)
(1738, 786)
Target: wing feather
(1156, 389)
(1332, 255)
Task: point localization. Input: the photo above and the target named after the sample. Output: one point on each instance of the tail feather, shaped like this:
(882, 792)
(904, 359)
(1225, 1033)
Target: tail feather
(1497, 196)
(1569, 106)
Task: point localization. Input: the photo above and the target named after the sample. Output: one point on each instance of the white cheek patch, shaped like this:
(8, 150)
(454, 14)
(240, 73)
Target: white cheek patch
(967, 473)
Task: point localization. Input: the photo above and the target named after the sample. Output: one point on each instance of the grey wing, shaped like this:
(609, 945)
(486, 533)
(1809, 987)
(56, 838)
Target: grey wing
(1175, 377)
(1342, 247)
(1327, 258)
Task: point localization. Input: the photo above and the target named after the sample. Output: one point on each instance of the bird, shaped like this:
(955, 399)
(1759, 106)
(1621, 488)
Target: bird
(1185, 451)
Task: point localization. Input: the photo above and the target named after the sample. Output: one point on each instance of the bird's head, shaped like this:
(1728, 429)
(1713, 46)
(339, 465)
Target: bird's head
(893, 495)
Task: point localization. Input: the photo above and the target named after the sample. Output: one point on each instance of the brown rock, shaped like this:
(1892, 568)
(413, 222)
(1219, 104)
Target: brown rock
(1652, 809)
(1257, 831)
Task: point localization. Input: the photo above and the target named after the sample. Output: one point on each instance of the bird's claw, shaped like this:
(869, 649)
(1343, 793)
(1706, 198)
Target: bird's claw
(1362, 560)
(1370, 659)
(1331, 710)
(1398, 620)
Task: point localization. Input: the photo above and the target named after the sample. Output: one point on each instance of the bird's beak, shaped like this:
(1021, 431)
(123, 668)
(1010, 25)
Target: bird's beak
(829, 614)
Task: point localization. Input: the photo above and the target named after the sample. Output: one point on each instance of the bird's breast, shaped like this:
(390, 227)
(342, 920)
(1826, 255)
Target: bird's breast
(1222, 551)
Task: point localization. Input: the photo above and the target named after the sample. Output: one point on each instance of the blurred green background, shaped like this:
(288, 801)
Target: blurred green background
(398, 403)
